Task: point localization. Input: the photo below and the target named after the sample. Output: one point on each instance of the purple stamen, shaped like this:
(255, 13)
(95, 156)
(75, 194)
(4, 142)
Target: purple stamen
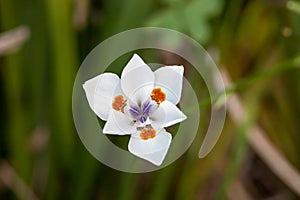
(143, 119)
(146, 108)
(135, 112)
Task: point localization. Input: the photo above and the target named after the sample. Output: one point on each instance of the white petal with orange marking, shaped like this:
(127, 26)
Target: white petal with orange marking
(169, 79)
(154, 150)
(100, 91)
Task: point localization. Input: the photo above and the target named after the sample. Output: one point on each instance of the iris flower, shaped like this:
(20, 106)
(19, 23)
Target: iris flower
(141, 104)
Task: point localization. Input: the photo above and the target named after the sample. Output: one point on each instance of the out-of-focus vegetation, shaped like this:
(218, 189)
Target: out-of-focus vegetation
(42, 45)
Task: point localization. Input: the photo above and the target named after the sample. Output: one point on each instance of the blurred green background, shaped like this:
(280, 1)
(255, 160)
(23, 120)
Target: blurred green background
(42, 44)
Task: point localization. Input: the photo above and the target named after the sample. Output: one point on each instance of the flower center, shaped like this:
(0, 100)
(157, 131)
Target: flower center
(141, 113)
(147, 133)
(139, 116)
(119, 103)
(158, 95)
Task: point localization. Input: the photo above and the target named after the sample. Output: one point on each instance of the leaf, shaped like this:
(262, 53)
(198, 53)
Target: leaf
(189, 17)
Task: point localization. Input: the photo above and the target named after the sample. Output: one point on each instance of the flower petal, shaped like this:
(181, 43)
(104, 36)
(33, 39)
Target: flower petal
(137, 80)
(118, 124)
(153, 150)
(100, 91)
(158, 118)
(169, 79)
(167, 114)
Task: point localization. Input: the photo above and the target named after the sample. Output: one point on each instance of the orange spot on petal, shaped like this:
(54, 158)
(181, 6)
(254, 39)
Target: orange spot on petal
(119, 103)
(158, 95)
(148, 133)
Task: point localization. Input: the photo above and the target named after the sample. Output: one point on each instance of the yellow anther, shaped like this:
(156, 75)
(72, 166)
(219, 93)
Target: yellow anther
(147, 133)
(158, 95)
(119, 103)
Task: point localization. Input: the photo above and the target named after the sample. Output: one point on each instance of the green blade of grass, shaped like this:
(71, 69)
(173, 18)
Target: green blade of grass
(64, 63)
(17, 127)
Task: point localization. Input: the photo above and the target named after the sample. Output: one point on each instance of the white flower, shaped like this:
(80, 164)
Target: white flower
(141, 103)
